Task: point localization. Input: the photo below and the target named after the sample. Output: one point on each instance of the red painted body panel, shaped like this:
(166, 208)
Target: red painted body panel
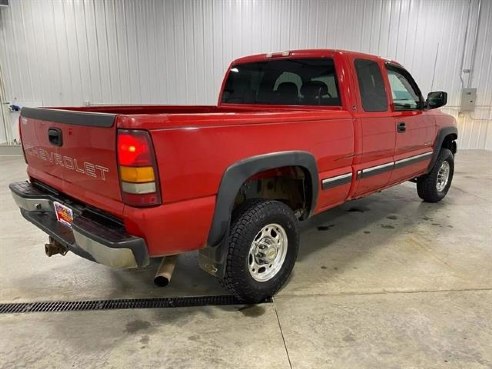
(83, 168)
(194, 145)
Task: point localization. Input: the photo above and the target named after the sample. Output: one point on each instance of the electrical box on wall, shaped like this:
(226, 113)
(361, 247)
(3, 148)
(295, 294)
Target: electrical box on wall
(468, 99)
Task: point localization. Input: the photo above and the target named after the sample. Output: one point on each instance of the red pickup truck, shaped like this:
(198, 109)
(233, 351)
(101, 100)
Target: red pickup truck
(293, 134)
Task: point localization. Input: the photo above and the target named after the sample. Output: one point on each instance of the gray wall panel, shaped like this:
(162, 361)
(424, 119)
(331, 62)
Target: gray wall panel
(55, 52)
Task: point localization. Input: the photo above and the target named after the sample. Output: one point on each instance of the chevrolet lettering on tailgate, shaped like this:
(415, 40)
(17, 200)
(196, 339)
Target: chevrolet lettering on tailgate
(87, 168)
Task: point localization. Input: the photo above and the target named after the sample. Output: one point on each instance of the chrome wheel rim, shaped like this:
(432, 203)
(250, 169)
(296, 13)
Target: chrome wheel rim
(267, 252)
(443, 176)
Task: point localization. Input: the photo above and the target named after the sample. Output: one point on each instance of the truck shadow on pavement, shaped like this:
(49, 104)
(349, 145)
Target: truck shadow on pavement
(335, 239)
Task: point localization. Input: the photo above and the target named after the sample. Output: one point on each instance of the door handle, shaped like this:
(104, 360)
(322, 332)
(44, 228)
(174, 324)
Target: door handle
(401, 127)
(55, 136)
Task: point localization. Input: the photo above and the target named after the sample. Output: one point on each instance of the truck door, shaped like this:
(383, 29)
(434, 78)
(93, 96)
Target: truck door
(375, 133)
(414, 126)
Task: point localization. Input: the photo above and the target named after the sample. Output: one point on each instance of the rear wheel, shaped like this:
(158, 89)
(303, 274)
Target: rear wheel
(262, 250)
(434, 186)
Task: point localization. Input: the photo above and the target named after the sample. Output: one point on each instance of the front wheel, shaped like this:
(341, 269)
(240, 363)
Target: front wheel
(434, 186)
(262, 250)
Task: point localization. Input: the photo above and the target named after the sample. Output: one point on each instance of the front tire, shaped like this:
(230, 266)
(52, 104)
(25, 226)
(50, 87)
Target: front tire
(434, 186)
(262, 250)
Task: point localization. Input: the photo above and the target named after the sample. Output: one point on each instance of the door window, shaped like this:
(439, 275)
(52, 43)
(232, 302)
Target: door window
(405, 93)
(371, 85)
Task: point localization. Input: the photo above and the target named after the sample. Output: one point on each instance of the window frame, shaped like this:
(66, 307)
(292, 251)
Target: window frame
(402, 71)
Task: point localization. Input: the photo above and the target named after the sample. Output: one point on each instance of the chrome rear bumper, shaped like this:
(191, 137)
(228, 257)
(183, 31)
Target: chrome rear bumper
(107, 244)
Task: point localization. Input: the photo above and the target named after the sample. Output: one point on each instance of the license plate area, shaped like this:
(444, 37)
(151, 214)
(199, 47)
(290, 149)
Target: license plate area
(63, 213)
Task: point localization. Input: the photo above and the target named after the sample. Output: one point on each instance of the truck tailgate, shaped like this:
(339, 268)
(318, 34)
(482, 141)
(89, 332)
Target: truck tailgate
(73, 152)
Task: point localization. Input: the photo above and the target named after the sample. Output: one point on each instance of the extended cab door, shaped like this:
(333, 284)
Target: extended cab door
(375, 129)
(414, 126)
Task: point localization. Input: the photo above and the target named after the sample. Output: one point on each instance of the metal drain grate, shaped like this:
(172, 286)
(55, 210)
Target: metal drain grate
(147, 303)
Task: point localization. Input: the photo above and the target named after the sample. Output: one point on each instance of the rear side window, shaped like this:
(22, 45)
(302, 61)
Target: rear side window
(371, 85)
(283, 82)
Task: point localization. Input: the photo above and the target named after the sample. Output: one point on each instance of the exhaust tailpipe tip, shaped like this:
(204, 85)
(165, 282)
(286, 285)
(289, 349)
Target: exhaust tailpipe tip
(161, 281)
(165, 271)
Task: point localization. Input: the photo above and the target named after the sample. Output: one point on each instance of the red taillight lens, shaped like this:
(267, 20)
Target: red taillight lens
(137, 168)
(134, 148)
(142, 200)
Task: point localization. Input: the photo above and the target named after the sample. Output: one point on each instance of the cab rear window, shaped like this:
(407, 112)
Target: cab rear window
(283, 82)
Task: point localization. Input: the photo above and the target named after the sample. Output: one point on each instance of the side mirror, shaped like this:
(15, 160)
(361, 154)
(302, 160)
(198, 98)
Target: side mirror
(436, 99)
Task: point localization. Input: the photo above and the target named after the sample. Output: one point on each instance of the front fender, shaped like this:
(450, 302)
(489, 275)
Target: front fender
(441, 136)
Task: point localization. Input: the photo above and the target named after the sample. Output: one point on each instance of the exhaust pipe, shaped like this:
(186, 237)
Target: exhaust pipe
(54, 247)
(165, 271)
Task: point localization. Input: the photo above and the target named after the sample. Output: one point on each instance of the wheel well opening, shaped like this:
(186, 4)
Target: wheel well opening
(291, 185)
(450, 143)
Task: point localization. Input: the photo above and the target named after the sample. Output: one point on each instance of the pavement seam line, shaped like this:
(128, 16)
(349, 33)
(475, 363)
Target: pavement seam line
(388, 292)
(282, 333)
(471, 194)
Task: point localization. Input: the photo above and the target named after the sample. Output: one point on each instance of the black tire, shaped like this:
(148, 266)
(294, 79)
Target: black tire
(427, 185)
(248, 221)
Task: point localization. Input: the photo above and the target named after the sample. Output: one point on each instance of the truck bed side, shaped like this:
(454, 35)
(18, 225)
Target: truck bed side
(192, 159)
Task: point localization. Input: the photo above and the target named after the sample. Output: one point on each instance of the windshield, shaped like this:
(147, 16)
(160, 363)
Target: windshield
(283, 82)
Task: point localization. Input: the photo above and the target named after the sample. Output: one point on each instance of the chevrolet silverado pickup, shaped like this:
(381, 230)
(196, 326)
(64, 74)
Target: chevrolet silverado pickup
(293, 134)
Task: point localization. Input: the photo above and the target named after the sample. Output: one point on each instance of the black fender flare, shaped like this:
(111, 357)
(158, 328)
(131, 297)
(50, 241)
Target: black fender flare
(211, 257)
(441, 136)
(236, 174)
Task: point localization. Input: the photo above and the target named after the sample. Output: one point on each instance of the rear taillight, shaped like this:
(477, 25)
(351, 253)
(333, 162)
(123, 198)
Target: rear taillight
(139, 179)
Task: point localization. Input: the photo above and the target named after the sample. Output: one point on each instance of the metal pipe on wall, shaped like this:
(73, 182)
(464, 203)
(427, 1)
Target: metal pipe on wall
(463, 51)
(4, 113)
(475, 43)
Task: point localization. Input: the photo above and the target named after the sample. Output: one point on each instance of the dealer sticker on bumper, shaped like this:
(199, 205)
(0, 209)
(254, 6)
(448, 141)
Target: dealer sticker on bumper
(63, 213)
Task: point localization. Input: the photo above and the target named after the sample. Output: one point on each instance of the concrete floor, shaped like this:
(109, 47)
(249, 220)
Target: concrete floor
(382, 282)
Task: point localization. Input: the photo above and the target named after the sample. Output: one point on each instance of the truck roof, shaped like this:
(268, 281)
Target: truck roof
(306, 53)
